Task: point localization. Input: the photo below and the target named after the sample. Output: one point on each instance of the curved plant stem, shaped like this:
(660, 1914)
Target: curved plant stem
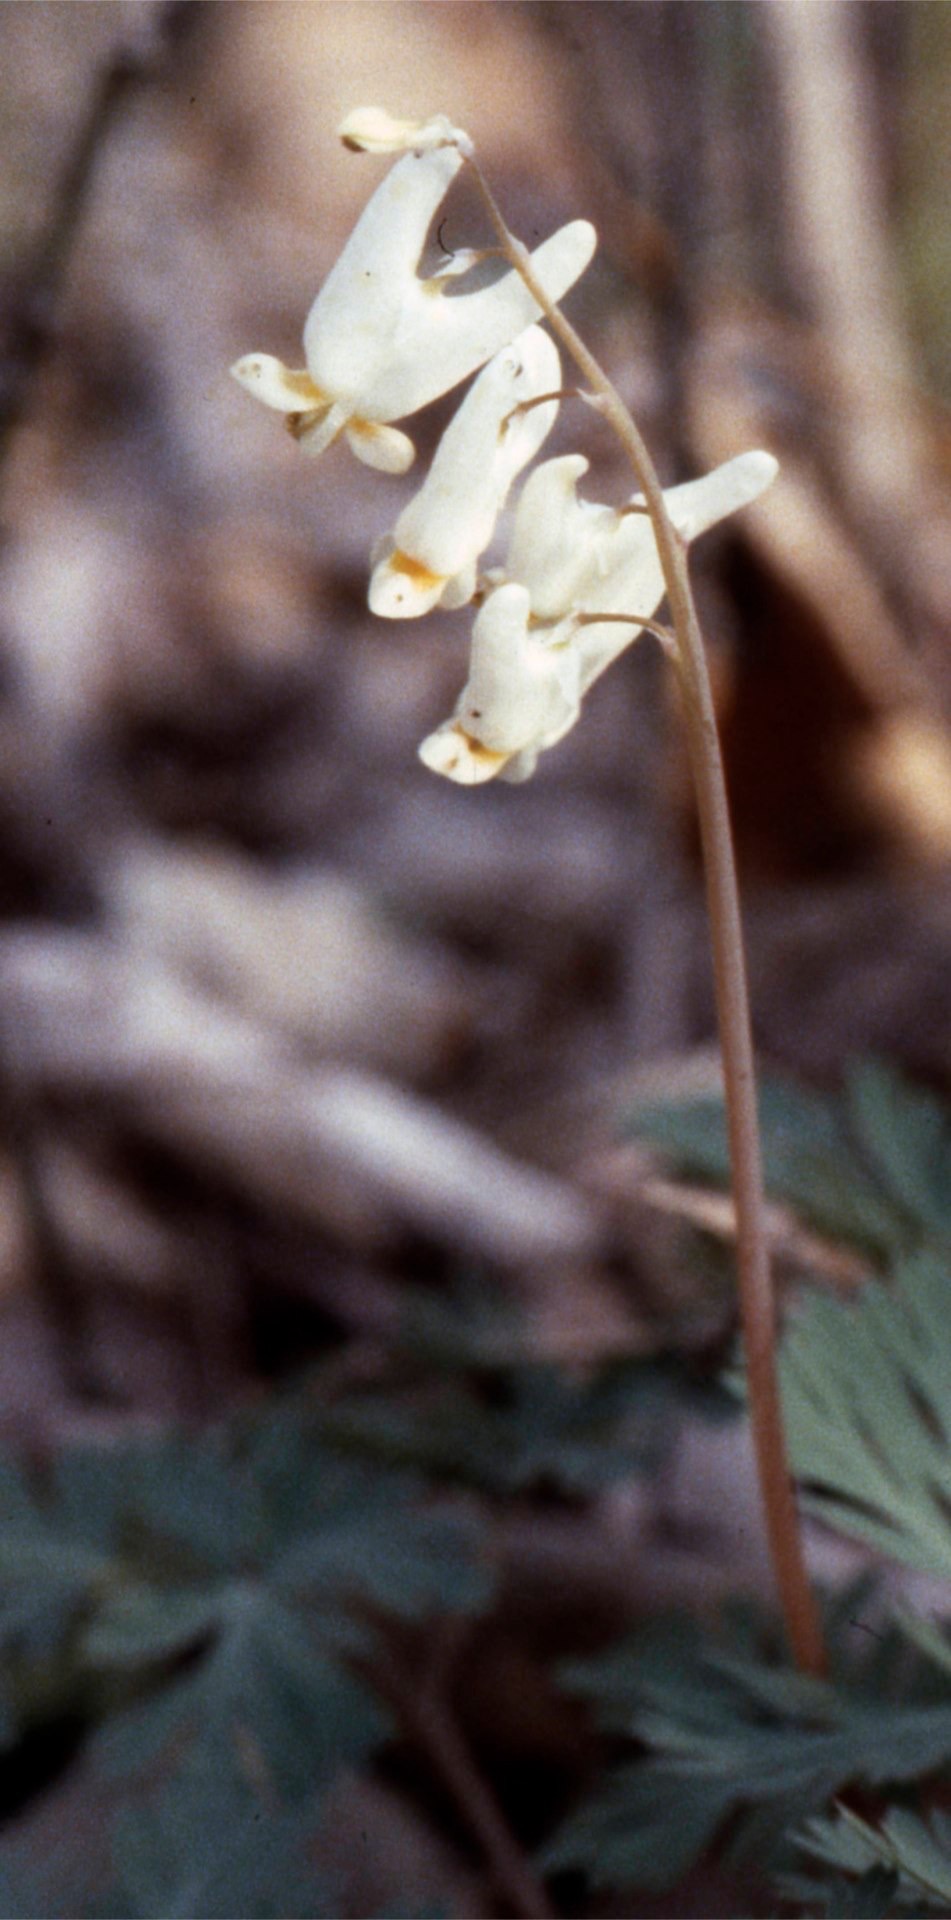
(757, 1302)
(429, 1720)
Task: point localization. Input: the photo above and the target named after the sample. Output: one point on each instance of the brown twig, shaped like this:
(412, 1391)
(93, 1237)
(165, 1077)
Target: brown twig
(428, 1719)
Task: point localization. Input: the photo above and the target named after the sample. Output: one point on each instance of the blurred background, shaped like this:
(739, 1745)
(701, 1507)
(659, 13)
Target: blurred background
(288, 1024)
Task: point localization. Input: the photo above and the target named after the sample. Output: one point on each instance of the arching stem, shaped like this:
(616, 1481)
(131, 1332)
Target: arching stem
(757, 1300)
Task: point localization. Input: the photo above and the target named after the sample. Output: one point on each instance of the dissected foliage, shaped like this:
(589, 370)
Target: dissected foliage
(203, 1603)
(467, 1401)
(737, 1745)
(724, 1744)
(207, 1607)
(871, 1167)
(865, 1383)
(901, 1864)
(865, 1392)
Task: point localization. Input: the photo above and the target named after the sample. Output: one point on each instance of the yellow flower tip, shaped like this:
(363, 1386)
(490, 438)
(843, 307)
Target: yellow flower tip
(402, 588)
(373, 130)
(454, 753)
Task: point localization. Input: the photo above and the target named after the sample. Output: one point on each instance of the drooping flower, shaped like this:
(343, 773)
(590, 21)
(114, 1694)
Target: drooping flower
(380, 342)
(522, 694)
(535, 651)
(432, 552)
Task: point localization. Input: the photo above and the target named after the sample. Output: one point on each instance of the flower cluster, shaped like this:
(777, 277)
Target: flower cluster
(381, 342)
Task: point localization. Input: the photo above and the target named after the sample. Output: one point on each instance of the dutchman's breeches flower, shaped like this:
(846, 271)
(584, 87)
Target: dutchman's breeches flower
(522, 694)
(579, 583)
(379, 342)
(434, 547)
(535, 649)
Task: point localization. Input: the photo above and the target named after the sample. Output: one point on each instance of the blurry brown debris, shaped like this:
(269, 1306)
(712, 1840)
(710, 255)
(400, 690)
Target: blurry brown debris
(881, 448)
(126, 45)
(308, 954)
(882, 748)
(339, 1147)
(110, 1231)
(381, 1849)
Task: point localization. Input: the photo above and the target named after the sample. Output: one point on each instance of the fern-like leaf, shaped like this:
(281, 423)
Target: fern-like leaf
(732, 1737)
(868, 1414)
(872, 1168)
(903, 1848)
(212, 1592)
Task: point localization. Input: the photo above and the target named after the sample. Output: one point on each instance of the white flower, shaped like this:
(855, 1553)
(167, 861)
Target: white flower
(557, 539)
(522, 694)
(532, 662)
(373, 130)
(380, 342)
(432, 552)
(578, 557)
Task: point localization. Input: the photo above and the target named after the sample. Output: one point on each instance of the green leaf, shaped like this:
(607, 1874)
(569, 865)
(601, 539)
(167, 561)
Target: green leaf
(539, 1430)
(194, 1856)
(267, 1691)
(141, 1624)
(873, 1169)
(470, 1329)
(250, 1736)
(913, 1852)
(188, 1500)
(809, 1160)
(868, 1414)
(906, 1134)
(49, 1573)
(376, 1540)
(732, 1737)
(217, 1586)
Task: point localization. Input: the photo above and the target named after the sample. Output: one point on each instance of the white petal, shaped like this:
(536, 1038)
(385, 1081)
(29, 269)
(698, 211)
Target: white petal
(458, 591)
(555, 535)
(453, 265)
(521, 696)
(352, 328)
(276, 385)
(314, 433)
(520, 693)
(701, 503)
(526, 681)
(520, 767)
(578, 557)
(401, 588)
(373, 130)
(385, 448)
(453, 752)
(631, 582)
(443, 337)
(450, 521)
(631, 579)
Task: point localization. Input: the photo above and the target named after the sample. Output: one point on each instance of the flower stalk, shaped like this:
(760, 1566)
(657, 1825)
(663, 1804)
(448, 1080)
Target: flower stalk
(756, 1293)
(380, 343)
